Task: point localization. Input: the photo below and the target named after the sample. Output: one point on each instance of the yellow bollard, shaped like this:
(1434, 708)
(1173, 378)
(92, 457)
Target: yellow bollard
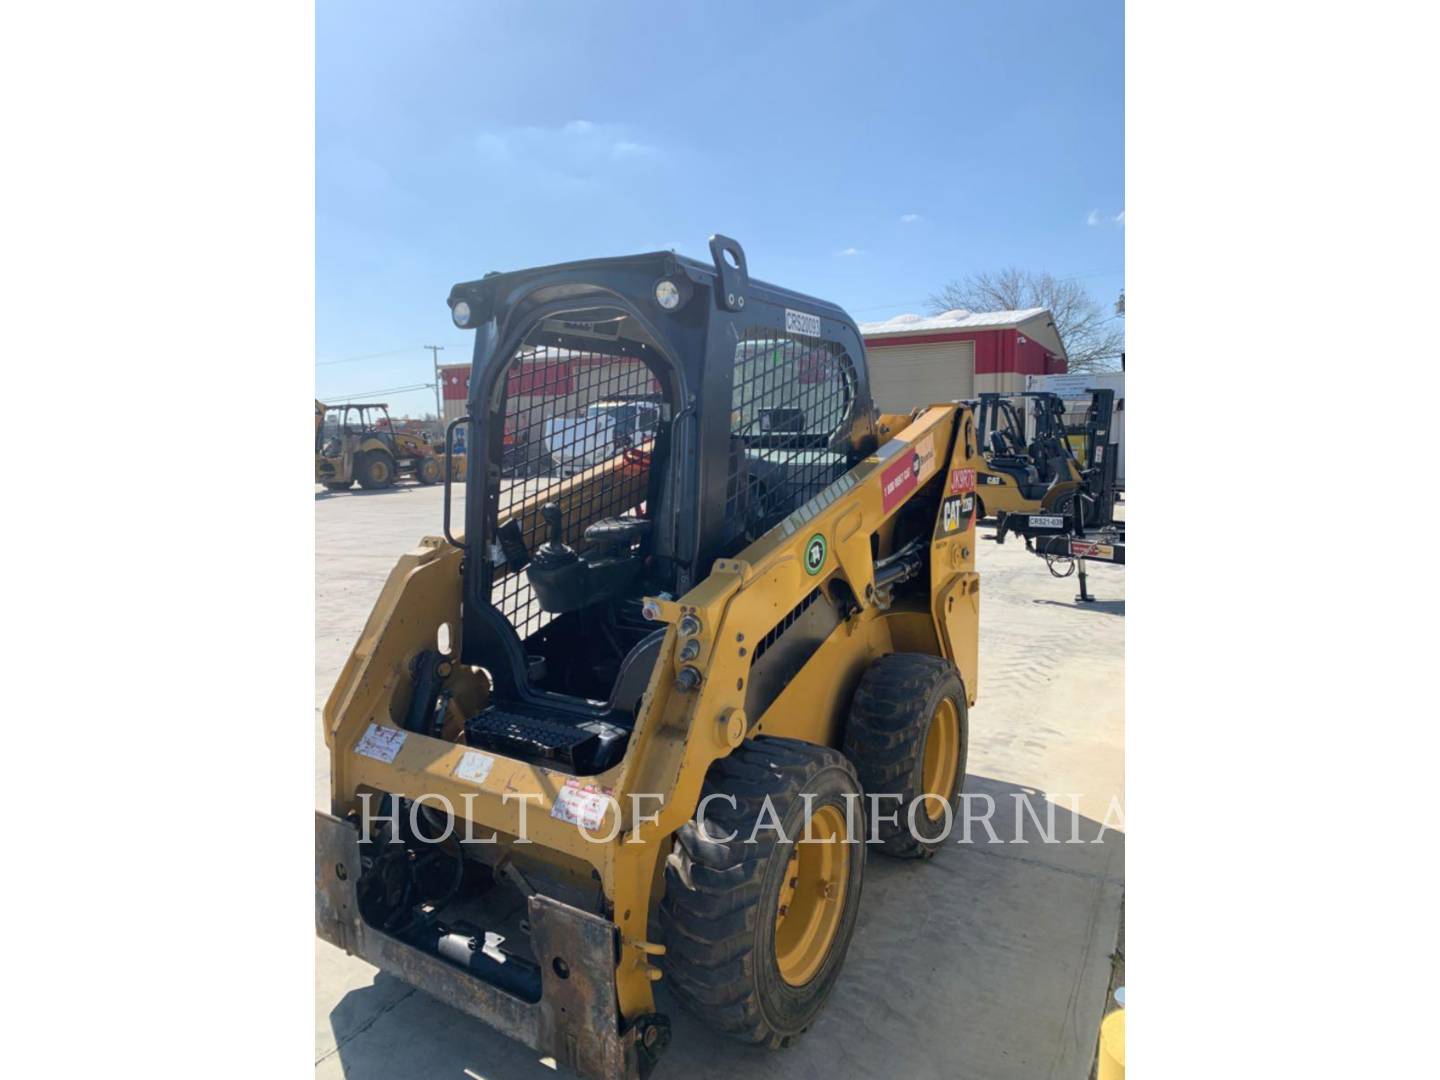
(1112, 1046)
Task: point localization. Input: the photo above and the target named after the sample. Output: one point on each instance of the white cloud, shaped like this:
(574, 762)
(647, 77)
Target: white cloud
(909, 219)
(848, 251)
(625, 148)
(1094, 218)
(574, 154)
(1120, 218)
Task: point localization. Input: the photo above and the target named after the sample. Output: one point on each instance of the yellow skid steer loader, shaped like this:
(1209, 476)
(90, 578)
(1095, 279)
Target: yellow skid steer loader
(644, 720)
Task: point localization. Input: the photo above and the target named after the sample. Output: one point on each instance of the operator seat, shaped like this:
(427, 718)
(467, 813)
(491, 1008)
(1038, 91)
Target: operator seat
(1005, 460)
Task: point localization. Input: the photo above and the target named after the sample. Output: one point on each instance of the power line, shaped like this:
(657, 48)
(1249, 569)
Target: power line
(389, 352)
(385, 390)
(367, 356)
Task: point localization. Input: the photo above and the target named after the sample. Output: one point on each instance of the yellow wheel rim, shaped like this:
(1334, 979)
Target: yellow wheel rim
(812, 897)
(378, 471)
(942, 758)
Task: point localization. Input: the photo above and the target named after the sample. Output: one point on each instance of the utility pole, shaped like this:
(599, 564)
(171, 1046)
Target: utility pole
(435, 358)
(1120, 313)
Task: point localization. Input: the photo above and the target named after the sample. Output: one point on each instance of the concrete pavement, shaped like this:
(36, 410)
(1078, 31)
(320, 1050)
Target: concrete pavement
(989, 962)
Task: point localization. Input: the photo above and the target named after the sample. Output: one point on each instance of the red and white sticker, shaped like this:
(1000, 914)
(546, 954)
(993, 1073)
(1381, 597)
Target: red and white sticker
(962, 481)
(1095, 551)
(582, 804)
(380, 743)
(897, 481)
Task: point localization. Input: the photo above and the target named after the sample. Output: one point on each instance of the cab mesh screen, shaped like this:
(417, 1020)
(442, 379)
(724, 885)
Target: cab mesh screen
(791, 394)
(578, 431)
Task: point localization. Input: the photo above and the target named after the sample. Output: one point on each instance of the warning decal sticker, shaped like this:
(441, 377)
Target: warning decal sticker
(380, 743)
(581, 804)
(474, 766)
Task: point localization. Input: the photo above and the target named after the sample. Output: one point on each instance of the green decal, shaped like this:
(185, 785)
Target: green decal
(815, 554)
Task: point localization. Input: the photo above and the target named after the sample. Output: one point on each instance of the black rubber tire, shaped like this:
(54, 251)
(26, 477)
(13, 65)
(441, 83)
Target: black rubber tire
(890, 718)
(427, 470)
(717, 917)
(337, 486)
(362, 470)
(1063, 504)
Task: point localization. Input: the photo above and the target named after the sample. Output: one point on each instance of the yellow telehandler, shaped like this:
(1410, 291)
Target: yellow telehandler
(644, 720)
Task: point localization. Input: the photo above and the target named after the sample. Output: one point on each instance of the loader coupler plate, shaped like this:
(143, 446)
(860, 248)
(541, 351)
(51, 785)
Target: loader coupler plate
(576, 1021)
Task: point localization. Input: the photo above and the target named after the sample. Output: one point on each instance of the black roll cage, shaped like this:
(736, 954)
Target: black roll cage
(691, 351)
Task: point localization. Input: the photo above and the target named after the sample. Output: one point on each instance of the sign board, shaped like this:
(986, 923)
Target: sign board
(1074, 386)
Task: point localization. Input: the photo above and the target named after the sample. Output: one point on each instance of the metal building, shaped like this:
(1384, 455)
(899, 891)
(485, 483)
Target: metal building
(917, 359)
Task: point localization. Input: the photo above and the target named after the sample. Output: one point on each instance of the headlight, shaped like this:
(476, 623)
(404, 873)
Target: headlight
(666, 294)
(461, 314)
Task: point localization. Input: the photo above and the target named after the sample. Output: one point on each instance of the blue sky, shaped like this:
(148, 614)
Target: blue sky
(864, 152)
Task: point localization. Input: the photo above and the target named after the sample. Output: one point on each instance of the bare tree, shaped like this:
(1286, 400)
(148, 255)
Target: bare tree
(1093, 339)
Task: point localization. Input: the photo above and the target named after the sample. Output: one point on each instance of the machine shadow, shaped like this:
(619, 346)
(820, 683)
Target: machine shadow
(363, 492)
(1100, 607)
(1015, 935)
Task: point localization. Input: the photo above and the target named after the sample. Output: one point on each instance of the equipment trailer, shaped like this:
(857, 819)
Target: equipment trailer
(1084, 526)
(1059, 540)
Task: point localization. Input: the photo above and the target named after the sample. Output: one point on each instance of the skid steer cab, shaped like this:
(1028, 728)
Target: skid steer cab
(358, 442)
(636, 719)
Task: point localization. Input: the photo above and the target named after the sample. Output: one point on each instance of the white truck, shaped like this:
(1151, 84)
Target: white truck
(579, 440)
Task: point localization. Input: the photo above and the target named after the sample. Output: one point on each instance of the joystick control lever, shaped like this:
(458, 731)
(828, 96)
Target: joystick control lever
(556, 523)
